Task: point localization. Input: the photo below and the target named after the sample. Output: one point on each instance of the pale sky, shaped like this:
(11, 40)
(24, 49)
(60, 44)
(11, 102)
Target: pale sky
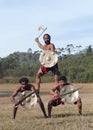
(67, 21)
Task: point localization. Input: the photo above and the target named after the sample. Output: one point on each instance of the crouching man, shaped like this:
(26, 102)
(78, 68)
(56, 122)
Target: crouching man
(64, 86)
(23, 87)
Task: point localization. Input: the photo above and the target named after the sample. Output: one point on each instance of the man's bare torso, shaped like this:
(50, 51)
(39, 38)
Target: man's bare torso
(49, 47)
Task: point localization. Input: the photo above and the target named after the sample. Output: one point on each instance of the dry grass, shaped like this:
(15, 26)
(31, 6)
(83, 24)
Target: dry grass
(63, 117)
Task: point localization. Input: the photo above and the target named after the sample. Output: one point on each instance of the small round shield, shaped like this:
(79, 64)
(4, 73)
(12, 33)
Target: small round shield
(71, 97)
(48, 58)
(30, 101)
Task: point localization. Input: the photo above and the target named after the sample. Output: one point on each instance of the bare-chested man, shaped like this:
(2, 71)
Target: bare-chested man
(25, 85)
(57, 100)
(43, 70)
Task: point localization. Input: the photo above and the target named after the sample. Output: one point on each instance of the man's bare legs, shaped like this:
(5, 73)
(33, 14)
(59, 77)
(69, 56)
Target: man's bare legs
(38, 80)
(15, 111)
(49, 109)
(56, 78)
(41, 106)
(79, 104)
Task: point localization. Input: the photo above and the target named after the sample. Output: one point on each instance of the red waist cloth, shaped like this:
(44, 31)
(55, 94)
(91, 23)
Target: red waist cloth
(60, 100)
(44, 69)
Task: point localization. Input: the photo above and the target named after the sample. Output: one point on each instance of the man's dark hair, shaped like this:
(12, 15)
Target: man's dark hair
(63, 78)
(23, 79)
(47, 35)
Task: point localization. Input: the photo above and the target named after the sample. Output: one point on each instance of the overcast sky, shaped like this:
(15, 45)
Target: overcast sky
(67, 21)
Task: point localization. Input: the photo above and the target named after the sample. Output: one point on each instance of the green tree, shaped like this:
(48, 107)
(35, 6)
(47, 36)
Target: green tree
(89, 50)
(69, 48)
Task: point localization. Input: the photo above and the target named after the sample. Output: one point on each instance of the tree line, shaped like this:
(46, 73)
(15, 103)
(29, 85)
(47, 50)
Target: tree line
(78, 67)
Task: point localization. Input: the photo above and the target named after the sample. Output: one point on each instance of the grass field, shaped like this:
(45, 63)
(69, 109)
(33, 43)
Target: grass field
(64, 117)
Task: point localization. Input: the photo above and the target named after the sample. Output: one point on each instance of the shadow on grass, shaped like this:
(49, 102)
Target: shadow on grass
(59, 116)
(64, 115)
(71, 114)
(88, 114)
